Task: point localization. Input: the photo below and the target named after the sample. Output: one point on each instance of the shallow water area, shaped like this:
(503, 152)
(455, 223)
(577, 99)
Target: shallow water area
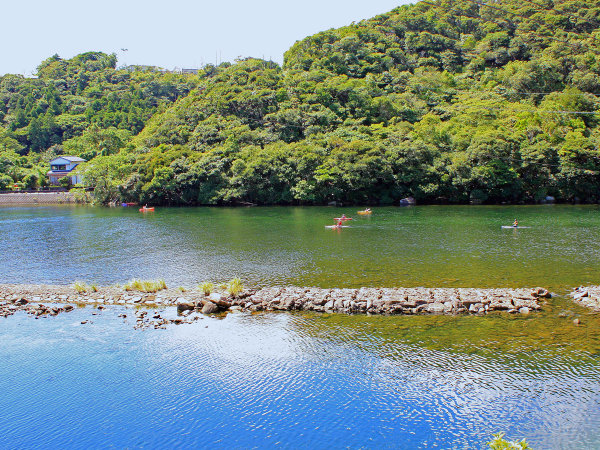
(300, 379)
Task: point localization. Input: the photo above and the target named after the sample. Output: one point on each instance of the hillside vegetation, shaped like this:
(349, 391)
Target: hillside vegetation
(449, 101)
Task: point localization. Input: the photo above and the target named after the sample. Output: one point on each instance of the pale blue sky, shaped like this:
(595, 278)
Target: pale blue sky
(175, 33)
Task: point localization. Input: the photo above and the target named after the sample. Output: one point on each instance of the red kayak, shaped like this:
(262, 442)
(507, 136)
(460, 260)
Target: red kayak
(146, 209)
(342, 218)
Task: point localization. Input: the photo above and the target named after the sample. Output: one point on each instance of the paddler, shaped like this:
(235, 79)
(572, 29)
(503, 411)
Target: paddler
(515, 223)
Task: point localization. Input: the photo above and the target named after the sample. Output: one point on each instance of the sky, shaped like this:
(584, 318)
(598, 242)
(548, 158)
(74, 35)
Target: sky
(169, 34)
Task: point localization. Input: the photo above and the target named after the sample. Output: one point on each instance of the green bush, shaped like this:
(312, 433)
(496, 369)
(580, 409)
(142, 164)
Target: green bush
(206, 287)
(499, 443)
(235, 286)
(145, 286)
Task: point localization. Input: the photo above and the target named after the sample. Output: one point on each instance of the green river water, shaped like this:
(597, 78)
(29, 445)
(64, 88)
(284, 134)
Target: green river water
(433, 246)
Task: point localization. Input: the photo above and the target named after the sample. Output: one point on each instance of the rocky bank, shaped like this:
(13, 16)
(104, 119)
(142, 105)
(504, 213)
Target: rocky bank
(49, 300)
(588, 296)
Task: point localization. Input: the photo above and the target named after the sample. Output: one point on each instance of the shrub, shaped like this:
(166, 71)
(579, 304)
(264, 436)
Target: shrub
(206, 287)
(235, 286)
(145, 286)
(499, 443)
(82, 287)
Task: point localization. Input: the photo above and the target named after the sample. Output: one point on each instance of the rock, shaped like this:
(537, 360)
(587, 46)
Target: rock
(435, 308)
(541, 293)
(210, 308)
(524, 310)
(183, 306)
(576, 321)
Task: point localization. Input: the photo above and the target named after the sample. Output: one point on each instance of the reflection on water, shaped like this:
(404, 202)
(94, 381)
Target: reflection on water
(301, 380)
(423, 246)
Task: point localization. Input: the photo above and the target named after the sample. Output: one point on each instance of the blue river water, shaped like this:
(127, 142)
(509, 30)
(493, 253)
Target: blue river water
(300, 380)
(283, 380)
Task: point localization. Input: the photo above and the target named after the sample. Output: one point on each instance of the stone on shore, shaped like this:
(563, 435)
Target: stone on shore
(587, 296)
(210, 308)
(286, 298)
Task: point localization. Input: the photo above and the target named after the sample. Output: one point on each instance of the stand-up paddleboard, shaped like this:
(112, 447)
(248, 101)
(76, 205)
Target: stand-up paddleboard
(510, 226)
(337, 226)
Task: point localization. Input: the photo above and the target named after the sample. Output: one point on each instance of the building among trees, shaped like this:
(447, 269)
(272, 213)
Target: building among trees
(63, 166)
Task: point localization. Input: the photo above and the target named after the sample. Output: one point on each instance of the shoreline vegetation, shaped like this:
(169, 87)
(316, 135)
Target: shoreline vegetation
(51, 300)
(445, 103)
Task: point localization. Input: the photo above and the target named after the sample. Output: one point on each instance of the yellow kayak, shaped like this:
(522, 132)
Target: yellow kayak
(365, 212)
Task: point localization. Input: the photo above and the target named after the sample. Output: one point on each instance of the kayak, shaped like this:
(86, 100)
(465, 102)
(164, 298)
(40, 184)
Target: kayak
(342, 218)
(363, 213)
(510, 226)
(147, 209)
(337, 226)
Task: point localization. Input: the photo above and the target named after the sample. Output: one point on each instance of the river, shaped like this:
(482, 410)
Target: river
(291, 380)
(433, 246)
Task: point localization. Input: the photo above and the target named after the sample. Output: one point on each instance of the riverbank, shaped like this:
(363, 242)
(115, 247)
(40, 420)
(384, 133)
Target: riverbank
(40, 300)
(41, 198)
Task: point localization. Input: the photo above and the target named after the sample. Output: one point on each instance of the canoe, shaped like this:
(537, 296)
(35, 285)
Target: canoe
(147, 209)
(363, 213)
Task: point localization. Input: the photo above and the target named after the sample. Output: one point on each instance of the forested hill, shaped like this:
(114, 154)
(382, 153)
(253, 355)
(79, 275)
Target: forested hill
(446, 101)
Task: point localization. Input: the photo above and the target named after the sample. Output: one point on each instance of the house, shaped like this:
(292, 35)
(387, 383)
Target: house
(63, 167)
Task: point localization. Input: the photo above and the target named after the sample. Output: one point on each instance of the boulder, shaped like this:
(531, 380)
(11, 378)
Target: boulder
(185, 306)
(210, 308)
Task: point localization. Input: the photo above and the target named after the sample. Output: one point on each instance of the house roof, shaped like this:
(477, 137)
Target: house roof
(69, 158)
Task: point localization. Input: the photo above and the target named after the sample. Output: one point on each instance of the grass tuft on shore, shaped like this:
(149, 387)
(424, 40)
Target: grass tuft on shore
(206, 287)
(235, 286)
(81, 287)
(145, 285)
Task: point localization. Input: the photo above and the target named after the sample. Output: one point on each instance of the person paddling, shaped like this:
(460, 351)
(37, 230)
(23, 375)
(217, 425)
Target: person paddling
(515, 223)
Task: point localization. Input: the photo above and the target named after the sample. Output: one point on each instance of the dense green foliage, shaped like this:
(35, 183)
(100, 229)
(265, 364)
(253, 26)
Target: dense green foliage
(82, 107)
(453, 101)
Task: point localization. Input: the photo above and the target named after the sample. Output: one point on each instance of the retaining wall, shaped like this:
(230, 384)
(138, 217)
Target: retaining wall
(37, 198)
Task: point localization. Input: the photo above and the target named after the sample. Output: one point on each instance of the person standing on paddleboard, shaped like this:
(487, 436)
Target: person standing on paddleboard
(515, 223)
